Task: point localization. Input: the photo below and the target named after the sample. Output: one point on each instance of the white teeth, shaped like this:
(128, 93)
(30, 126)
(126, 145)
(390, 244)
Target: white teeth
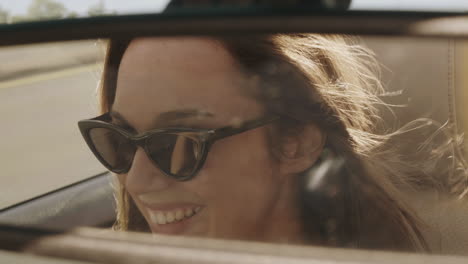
(179, 215)
(153, 217)
(162, 218)
(170, 217)
(188, 212)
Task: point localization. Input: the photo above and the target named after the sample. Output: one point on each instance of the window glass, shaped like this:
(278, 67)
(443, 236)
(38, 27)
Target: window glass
(44, 89)
(33, 10)
(306, 139)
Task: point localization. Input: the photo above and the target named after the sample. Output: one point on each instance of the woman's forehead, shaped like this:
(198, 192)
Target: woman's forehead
(194, 53)
(164, 74)
(178, 66)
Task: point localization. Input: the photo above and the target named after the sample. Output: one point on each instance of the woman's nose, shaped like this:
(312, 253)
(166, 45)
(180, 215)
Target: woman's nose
(144, 176)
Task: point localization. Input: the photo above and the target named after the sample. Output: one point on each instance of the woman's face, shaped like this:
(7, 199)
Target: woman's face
(240, 191)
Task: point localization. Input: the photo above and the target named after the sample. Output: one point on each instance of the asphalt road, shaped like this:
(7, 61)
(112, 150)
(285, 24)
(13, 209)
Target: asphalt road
(41, 148)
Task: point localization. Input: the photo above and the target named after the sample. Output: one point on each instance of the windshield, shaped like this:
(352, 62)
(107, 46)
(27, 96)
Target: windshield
(33, 10)
(230, 144)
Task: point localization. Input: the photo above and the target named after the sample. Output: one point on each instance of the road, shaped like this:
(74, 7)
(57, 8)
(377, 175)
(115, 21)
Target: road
(41, 146)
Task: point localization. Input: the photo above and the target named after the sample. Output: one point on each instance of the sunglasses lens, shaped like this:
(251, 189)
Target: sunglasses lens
(176, 155)
(113, 148)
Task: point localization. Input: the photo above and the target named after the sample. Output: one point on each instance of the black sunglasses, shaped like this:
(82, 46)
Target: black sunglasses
(178, 152)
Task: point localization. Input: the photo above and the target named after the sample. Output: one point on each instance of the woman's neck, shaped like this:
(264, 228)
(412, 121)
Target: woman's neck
(286, 225)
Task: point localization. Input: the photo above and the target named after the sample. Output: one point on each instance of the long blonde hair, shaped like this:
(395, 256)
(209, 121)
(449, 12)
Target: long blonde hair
(333, 82)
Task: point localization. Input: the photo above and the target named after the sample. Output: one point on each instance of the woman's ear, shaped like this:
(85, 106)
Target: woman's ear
(299, 151)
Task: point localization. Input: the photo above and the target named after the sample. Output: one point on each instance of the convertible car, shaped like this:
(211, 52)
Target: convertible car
(57, 201)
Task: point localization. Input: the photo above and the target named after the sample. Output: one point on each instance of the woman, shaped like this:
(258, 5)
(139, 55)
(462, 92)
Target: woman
(266, 138)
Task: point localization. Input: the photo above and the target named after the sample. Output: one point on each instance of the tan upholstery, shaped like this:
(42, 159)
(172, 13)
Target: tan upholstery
(424, 69)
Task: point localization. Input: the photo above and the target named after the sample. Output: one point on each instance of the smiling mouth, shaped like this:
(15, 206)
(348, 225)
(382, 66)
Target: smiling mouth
(172, 216)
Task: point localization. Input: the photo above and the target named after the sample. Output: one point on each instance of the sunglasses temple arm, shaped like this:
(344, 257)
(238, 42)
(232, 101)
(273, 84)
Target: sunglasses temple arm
(230, 131)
